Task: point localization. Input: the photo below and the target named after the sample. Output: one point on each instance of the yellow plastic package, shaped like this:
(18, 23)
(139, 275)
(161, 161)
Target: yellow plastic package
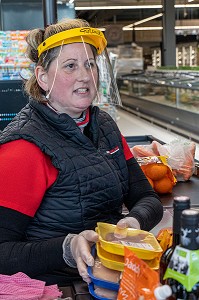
(143, 243)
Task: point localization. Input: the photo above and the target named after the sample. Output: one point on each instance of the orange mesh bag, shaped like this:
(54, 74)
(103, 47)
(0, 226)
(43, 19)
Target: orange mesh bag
(158, 173)
(180, 154)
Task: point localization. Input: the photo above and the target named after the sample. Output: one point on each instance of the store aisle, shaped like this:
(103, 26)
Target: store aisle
(132, 125)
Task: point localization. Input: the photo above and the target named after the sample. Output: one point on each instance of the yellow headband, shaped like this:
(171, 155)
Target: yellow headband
(87, 35)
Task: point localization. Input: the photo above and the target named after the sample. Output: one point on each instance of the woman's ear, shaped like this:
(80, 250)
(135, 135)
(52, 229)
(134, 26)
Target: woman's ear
(41, 76)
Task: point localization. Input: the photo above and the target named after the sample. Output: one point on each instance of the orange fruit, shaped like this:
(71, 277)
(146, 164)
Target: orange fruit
(150, 181)
(163, 186)
(143, 167)
(156, 171)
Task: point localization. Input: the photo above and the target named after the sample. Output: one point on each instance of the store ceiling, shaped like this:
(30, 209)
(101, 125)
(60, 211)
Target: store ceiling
(123, 16)
(100, 18)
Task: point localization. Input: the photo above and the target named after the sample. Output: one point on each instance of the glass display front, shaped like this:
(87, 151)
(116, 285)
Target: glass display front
(176, 90)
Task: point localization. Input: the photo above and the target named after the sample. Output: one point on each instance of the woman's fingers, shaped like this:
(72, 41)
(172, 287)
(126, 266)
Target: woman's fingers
(81, 249)
(90, 235)
(128, 222)
(82, 268)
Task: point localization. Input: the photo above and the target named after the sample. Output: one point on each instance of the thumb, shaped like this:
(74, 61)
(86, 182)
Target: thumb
(122, 224)
(90, 235)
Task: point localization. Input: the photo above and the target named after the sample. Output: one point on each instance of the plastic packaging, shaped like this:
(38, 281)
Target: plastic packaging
(138, 280)
(180, 153)
(158, 173)
(104, 281)
(102, 276)
(142, 243)
(101, 293)
(162, 292)
(116, 262)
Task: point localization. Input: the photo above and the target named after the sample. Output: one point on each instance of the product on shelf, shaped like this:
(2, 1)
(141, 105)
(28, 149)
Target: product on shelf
(12, 54)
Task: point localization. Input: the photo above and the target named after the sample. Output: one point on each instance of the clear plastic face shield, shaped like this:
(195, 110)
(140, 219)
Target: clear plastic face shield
(106, 87)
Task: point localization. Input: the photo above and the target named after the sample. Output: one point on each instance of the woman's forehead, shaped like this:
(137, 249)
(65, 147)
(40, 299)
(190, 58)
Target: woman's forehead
(75, 49)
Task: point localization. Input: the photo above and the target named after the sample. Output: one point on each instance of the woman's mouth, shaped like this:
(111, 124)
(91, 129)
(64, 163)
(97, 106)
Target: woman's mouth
(82, 91)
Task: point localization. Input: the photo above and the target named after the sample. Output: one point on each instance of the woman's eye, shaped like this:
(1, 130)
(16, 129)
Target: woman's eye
(70, 66)
(90, 64)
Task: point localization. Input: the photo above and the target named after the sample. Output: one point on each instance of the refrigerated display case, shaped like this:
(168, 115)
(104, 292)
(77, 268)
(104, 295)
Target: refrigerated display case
(172, 97)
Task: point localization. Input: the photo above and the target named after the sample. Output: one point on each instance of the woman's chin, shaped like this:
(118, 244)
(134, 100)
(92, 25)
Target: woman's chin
(84, 105)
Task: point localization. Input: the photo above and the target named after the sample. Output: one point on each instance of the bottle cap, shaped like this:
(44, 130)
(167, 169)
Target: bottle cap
(181, 201)
(181, 198)
(162, 292)
(190, 216)
(189, 229)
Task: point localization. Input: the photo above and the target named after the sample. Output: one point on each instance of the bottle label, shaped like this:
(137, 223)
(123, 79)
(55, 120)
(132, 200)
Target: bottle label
(184, 267)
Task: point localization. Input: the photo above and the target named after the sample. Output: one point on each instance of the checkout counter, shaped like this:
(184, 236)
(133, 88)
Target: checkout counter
(189, 188)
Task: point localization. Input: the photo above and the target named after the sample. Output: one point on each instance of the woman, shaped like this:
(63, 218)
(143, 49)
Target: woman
(64, 163)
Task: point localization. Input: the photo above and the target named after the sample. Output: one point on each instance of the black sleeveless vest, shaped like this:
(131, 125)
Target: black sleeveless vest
(93, 175)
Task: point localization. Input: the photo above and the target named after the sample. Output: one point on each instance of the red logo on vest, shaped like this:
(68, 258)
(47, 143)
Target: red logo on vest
(113, 150)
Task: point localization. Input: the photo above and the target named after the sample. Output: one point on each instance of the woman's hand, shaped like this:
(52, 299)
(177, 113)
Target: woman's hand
(121, 229)
(81, 251)
(128, 222)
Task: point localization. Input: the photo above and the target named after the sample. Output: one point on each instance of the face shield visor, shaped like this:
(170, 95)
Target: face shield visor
(106, 87)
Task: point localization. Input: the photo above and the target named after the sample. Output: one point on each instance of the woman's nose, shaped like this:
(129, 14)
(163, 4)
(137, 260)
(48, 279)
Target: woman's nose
(83, 74)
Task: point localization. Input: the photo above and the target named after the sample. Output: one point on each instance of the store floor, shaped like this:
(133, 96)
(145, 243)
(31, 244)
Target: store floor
(132, 125)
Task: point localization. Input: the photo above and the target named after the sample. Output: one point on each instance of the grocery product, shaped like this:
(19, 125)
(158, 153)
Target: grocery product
(158, 173)
(12, 54)
(102, 272)
(138, 280)
(179, 204)
(182, 273)
(143, 243)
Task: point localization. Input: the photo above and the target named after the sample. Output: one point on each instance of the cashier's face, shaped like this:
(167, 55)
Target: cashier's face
(70, 81)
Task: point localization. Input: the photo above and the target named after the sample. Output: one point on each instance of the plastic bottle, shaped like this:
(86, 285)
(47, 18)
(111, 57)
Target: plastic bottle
(162, 292)
(179, 204)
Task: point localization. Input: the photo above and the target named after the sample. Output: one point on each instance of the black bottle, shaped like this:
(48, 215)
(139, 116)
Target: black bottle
(180, 203)
(189, 239)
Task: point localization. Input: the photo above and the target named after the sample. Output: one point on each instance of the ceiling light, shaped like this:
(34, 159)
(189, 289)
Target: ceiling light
(186, 5)
(117, 7)
(133, 7)
(144, 20)
(160, 28)
(148, 19)
(187, 27)
(143, 28)
(102, 28)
